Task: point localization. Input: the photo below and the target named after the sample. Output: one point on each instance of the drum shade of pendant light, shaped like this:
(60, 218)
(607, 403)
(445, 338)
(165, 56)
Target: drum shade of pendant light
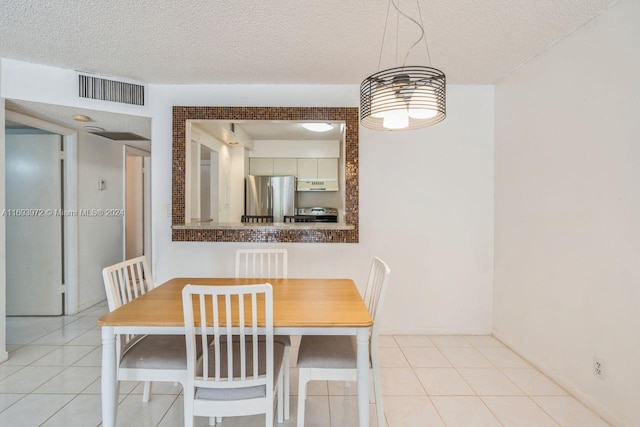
(406, 97)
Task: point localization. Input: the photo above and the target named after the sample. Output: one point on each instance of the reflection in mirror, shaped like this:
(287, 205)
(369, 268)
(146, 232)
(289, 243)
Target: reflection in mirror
(207, 182)
(222, 154)
(220, 147)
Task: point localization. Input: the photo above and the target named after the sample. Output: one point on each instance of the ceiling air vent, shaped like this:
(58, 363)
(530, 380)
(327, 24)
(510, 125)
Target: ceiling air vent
(111, 90)
(121, 136)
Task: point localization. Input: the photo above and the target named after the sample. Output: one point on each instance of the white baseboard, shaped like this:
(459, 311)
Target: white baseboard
(584, 398)
(4, 356)
(436, 331)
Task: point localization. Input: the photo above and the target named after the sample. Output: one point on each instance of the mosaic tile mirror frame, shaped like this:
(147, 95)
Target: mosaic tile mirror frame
(349, 115)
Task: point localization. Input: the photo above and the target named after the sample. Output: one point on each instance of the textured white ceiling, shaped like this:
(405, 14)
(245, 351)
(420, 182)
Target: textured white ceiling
(282, 41)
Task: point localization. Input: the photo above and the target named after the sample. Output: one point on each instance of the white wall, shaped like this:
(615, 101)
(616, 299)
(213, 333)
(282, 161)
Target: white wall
(567, 211)
(3, 270)
(426, 207)
(100, 239)
(52, 85)
(40, 83)
(226, 208)
(235, 183)
(426, 203)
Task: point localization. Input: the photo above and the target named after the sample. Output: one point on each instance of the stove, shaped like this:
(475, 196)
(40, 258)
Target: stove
(321, 214)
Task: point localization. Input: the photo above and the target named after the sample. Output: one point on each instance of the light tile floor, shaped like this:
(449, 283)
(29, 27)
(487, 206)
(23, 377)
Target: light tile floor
(52, 378)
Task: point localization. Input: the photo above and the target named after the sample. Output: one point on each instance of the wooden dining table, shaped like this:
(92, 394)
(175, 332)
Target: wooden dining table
(300, 307)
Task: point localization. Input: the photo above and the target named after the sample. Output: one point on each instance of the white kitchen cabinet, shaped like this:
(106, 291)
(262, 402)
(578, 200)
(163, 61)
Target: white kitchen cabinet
(323, 169)
(261, 166)
(307, 168)
(285, 167)
(327, 169)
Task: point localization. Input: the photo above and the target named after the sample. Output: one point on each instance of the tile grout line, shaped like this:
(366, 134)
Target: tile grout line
(501, 370)
(31, 364)
(59, 409)
(532, 399)
(480, 397)
(169, 410)
(413, 369)
(527, 395)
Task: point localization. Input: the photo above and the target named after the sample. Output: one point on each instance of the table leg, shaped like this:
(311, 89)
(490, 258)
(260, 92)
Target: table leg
(109, 380)
(363, 376)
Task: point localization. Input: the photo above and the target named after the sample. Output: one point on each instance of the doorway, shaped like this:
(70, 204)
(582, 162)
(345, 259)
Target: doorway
(209, 187)
(69, 202)
(137, 203)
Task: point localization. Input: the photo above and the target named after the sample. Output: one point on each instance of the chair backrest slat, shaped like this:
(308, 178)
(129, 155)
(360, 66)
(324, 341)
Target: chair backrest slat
(132, 286)
(254, 327)
(376, 290)
(126, 281)
(234, 320)
(243, 355)
(261, 263)
(203, 335)
(140, 290)
(229, 325)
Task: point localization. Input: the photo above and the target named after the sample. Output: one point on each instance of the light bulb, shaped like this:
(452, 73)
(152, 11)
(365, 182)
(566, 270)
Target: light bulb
(423, 103)
(395, 119)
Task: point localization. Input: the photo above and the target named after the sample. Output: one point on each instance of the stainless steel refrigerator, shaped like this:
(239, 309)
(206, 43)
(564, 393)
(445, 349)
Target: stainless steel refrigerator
(270, 195)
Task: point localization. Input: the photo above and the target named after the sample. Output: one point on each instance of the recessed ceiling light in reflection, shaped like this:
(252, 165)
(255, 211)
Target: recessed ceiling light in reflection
(317, 127)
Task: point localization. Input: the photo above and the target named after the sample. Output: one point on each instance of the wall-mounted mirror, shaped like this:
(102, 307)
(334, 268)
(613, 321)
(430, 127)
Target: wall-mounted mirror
(234, 165)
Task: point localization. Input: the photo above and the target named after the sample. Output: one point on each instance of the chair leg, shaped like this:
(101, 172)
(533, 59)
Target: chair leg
(377, 388)
(188, 405)
(287, 382)
(212, 421)
(280, 396)
(303, 378)
(188, 419)
(269, 416)
(147, 391)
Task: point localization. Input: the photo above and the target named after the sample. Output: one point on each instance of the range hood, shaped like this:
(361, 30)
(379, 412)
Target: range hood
(317, 185)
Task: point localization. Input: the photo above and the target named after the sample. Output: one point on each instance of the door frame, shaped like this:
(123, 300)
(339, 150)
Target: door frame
(70, 200)
(146, 210)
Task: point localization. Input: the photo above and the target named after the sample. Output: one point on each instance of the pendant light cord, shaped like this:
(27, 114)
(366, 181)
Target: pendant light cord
(383, 35)
(426, 44)
(397, 29)
(417, 41)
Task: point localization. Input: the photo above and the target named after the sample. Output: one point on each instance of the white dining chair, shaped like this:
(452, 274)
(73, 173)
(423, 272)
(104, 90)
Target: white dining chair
(269, 263)
(142, 357)
(243, 365)
(333, 358)
(261, 263)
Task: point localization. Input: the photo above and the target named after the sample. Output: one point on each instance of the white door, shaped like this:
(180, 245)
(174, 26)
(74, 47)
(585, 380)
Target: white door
(34, 229)
(214, 186)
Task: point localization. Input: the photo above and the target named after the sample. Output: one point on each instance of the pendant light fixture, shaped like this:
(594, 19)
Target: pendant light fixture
(405, 97)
